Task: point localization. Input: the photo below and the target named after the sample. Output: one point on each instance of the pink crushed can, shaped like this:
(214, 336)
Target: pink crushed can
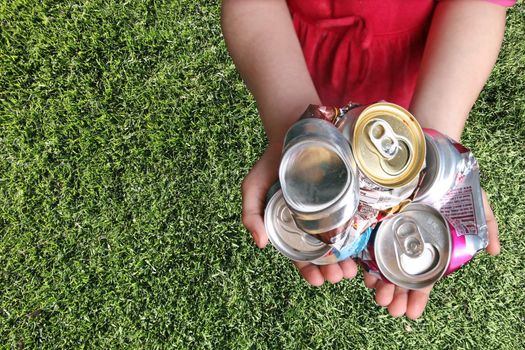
(416, 247)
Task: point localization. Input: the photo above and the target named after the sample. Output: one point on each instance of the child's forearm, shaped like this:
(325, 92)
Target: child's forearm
(263, 44)
(463, 44)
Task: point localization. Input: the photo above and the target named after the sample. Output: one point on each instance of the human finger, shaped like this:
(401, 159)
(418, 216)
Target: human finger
(254, 188)
(253, 194)
(384, 293)
(332, 273)
(493, 247)
(349, 268)
(398, 306)
(417, 301)
(369, 280)
(310, 272)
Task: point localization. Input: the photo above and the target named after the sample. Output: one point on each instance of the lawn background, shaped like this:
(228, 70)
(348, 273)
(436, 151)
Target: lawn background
(125, 132)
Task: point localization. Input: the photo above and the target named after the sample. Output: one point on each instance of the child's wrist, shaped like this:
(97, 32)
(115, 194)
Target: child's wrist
(275, 146)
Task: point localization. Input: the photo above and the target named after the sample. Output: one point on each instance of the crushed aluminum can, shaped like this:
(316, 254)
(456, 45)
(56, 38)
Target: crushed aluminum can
(286, 237)
(318, 180)
(333, 115)
(389, 148)
(443, 163)
(463, 204)
(416, 247)
(298, 245)
(452, 185)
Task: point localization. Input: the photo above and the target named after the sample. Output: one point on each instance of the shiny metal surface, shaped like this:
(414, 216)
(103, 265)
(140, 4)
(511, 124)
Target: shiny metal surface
(413, 248)
(388, 144)
(442, 161)
(318, 176)
(463, 204)
(286, 237)
(315, 175)
(384, 139)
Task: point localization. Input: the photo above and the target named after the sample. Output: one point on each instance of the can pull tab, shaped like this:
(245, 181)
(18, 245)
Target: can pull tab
(409, 237)
(416, 256)
(384, 139)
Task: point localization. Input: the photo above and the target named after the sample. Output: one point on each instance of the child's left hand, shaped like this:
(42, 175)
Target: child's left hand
(400, 301)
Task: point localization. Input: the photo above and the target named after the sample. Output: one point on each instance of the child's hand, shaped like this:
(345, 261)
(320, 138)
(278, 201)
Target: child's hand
(400, 301)
(317, 274)
(254, 187)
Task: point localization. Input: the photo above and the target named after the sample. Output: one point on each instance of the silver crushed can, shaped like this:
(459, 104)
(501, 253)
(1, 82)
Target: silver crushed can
(417, 247)
(443, 163)
(298, 245)
(286, 237)
(452, 185)
(412, 249)
(318, 180)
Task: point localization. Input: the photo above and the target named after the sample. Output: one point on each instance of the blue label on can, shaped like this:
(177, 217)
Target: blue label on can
(355, 248)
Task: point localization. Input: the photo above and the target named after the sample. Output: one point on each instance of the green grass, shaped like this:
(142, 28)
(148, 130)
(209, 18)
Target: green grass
(125, 132)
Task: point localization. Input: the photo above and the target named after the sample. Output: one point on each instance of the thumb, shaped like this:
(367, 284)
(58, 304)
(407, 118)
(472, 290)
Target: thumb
(253, 210)
(493, 247)
(254, 188)
(255, 225)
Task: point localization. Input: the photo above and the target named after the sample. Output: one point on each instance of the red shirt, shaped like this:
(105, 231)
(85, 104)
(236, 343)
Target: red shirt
(364, 51)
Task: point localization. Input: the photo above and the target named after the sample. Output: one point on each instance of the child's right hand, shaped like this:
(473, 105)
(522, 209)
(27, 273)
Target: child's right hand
(254, 188)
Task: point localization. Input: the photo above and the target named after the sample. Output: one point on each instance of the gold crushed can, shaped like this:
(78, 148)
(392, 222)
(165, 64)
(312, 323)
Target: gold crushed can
(389, 148)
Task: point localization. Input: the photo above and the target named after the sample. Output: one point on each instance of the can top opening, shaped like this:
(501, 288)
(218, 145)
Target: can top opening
(313, 175)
